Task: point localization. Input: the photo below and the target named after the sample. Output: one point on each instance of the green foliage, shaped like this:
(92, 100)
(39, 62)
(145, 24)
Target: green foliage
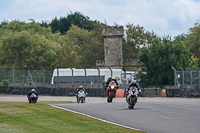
(158, 59)
(80, 48)
(5, 82)
(34, 44)
(136, 38)
(63, 24)
(193, 39)
(103, 84)
(27, 44)
(18, 26)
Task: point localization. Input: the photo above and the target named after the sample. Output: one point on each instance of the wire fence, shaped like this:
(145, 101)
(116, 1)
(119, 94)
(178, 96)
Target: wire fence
(26, 78)
(93, 80)
(186, 79)
(56, 78)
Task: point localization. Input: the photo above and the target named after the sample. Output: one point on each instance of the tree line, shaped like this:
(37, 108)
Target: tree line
(76, 41)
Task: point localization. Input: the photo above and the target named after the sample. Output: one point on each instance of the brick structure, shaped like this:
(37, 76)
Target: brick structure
(112, 47)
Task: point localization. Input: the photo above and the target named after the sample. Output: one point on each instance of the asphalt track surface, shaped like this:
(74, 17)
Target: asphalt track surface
(153, 117)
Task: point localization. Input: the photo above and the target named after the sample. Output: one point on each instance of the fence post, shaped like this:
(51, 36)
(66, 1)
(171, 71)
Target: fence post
(13, 76)
(111, 72)
(174, 76)
(43, 76)
(199, 76)
(98, 77)
(190, 77)
(183, 76)
(123, 69)
(58, 77)
(85, 76)
(72, 77)
(29, 75)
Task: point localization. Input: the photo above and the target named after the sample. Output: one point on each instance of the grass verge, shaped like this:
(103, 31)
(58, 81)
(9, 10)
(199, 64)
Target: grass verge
(22, 117)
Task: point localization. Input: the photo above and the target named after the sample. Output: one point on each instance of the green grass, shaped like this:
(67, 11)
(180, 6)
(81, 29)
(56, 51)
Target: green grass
(22, 117)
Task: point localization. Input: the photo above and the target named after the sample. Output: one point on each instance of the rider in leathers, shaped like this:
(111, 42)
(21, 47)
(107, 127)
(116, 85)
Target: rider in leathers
(80, 88)
(133, 83)
(109, 80)
(113, 78)
(29, 94)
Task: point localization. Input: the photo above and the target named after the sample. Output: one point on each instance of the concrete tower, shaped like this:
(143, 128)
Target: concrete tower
(113, 46)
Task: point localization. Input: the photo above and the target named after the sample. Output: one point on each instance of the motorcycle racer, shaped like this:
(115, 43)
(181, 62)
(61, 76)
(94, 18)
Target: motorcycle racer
(133, 83)
(109, 80)
(80, 88)
(30, 93)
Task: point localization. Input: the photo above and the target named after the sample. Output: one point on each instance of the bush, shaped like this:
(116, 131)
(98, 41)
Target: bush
(103, 84)
(5, 82)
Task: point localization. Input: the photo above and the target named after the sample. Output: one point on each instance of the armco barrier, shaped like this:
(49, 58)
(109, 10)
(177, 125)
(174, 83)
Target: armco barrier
(189, 93)
(92, 92)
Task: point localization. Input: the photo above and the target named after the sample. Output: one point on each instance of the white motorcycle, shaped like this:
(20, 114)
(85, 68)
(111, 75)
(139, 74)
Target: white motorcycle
(81, 96)
(131, 97)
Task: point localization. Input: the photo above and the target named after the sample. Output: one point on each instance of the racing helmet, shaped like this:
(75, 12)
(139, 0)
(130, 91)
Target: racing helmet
(32, 90)
(133, 82)
(80, 87)
(113, 78)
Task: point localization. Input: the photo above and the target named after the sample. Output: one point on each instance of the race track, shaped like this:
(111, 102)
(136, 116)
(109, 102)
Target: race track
(153, 117)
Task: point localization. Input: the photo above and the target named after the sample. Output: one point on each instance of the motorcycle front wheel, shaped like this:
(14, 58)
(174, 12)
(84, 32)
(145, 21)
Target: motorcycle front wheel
(82, 100)
(110, 98)
(131, 103)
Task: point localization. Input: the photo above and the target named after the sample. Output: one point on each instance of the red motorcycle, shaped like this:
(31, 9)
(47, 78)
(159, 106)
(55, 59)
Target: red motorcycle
(111, 91)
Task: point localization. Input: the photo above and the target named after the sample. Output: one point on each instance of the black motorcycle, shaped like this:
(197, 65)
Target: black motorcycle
(131, 97)
(33, 98)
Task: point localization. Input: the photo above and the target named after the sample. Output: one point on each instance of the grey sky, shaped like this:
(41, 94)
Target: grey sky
(164, 17)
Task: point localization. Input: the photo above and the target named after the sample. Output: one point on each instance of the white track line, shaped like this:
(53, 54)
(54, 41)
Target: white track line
(94, 117)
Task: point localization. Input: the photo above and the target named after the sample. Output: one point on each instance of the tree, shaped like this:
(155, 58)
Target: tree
(192, 40)
(157, 60)
(24, 48)
(63, 24)
(136, 38)
(80, 48)
(27, 44)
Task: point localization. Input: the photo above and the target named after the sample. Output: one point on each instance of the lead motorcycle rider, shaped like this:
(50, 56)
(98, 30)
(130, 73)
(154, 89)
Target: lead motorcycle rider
(133, 83)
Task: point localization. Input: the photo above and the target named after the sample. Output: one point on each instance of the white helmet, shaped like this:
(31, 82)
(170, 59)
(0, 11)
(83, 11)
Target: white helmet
(33, 90)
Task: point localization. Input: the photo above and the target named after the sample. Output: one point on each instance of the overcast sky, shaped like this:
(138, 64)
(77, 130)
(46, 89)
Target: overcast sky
(164, 17)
